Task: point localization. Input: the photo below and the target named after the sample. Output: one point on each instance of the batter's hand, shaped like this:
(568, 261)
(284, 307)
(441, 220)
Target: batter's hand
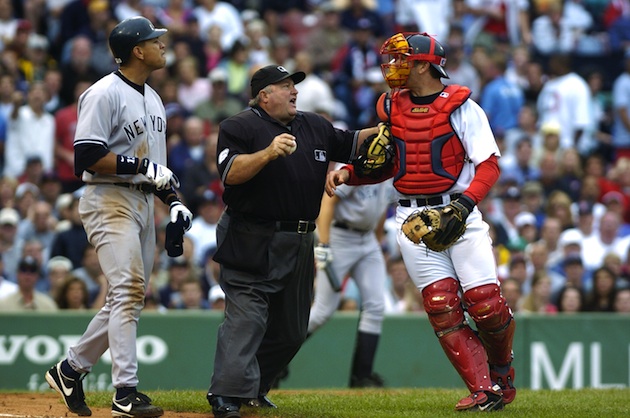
(282, 146)
(177, 209)
(158, 174)
(334, 178)
(323, 256)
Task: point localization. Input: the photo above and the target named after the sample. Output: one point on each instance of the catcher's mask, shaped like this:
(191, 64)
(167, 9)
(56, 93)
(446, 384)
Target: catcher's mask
(404, 49)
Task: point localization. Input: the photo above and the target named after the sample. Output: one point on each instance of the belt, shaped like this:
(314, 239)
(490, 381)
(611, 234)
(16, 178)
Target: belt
(141, 187)
(343, 225)
(428, 201)
(301, 227)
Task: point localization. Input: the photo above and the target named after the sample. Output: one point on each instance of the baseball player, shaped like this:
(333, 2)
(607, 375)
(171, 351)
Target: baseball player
(348, 245)
(447, 159)
(120, 152)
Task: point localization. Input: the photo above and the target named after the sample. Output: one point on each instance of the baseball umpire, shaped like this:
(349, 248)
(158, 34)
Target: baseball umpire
(273, 162)
(120, 152)
(447, 161)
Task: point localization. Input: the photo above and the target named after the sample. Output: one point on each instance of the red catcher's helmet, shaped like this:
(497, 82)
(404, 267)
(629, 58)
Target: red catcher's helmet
(404, 49)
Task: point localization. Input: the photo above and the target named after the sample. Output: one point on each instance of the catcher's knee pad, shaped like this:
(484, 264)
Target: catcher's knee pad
(494, 320)
(487, 307)
(462, 347)
(443, 305)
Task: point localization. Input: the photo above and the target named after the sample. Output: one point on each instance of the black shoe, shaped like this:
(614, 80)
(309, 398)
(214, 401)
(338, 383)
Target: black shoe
(372, 381)
(223, 406)
(71, 390)
(261, 402)
(135, 405)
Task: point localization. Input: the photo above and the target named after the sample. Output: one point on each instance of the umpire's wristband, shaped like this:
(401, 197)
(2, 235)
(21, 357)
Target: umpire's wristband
(127, 165)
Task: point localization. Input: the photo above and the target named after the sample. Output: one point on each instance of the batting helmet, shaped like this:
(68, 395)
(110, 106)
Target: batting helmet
(129, 33)
(404, 49)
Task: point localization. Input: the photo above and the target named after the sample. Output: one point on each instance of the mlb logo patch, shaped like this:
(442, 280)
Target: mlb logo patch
(320, 155)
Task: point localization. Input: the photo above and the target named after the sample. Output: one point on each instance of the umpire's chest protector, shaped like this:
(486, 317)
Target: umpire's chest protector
(433, 156)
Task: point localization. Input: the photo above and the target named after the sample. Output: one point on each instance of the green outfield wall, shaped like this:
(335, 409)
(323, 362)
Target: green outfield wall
(176, 350)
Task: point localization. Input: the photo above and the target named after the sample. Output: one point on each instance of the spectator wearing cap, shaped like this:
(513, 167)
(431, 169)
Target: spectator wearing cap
(178, 271)
(510, 203)
(202, 175)
(26, 194)
(606, 239)
(71, 242)
(526, 226)
(9, 220)
(30, 121)
(549, 141)
(36, 60)
(220, 105)
(56, 271)
(216, 298)
(204, 226)
(570, 243)
(521, 168)
(575, 274)
(27, 298)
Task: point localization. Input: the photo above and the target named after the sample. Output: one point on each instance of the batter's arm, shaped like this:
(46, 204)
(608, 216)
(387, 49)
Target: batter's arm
(246, 166)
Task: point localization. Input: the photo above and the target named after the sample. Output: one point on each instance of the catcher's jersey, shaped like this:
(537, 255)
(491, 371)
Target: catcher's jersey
(115, 114)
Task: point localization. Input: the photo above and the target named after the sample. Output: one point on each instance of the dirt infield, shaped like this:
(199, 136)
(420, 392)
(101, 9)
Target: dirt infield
(49, 405)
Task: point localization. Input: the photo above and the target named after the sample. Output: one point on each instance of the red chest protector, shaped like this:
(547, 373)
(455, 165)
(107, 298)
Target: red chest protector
(431, 154)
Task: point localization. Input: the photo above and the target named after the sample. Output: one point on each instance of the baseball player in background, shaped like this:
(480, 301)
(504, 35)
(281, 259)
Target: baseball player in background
(447, 159)
(120, 152)
(348, 245)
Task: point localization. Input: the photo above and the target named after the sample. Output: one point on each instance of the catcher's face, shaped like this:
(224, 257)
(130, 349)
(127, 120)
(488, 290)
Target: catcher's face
(397, 69)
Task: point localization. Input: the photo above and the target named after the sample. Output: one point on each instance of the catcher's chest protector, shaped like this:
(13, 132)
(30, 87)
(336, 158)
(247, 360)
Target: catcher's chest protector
(433, 155)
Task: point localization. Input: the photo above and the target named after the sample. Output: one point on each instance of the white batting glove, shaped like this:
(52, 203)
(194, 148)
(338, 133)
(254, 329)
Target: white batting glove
(158, 174)
(177, 208)
(323, 256)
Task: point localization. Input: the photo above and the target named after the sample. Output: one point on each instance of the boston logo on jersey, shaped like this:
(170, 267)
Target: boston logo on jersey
(138, 126)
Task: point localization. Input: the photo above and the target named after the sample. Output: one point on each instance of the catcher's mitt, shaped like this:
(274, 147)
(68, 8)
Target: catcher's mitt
(376, 154)
(443, 226)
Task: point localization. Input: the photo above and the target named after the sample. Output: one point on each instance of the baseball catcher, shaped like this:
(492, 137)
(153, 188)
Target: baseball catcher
(439, 228)
(376, 154)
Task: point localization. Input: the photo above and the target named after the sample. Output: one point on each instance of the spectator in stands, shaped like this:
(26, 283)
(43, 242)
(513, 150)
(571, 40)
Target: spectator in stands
(190, 149)
(56, 271)
(559, 25)
(39, 224)
(204, 225)
(216, 298)
(92, 275)
(565, 99)
(173, 15)
(65, 123)
(533, 201)
(27, 298)
(538, 300)
(202, 175)
(504, 220)
(219, 105)
(521, 169)
(622, 301)
(77, 67)
(549, 173)
(33, 122)
(603, 241)
(601, 298)
(559, 206)
(191, 295)
(501, 99)
(570, 173)
(526, 127)
(550, 237)
(236, 64)
(313, 90)
(458, 67)
(570, 300)
(9, 219)
(192, 88)
(621, 109)
(179, 270)
(71, 242)
(222, 14)
(327, 39)
(512, 292)
(73, 294)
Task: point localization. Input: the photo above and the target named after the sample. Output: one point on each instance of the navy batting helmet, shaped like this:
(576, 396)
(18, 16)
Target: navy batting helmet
(129, 33)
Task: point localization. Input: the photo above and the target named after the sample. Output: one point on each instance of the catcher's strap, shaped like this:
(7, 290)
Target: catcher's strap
(439, 228)
(375, 154)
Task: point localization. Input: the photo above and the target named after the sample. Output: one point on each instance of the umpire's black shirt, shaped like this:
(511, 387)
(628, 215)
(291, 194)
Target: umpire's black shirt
(289, 188)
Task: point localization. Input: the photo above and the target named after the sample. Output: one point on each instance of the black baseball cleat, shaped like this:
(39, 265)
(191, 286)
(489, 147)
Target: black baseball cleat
(71, 390)
(135, 405)
(262, 401)
(224, 407)
(482, 401)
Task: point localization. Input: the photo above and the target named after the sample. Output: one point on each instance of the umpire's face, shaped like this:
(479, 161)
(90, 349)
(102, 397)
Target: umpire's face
(279, 100)
(153, 53)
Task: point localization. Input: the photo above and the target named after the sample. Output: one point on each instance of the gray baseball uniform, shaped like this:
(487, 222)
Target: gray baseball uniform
(357, 252)
(119, 220)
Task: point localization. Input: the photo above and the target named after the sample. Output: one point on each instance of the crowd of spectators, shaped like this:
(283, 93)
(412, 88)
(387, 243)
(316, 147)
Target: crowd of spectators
(552, 75)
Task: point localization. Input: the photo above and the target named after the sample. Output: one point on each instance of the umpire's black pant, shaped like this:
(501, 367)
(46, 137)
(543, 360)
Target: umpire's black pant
(266, 317)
